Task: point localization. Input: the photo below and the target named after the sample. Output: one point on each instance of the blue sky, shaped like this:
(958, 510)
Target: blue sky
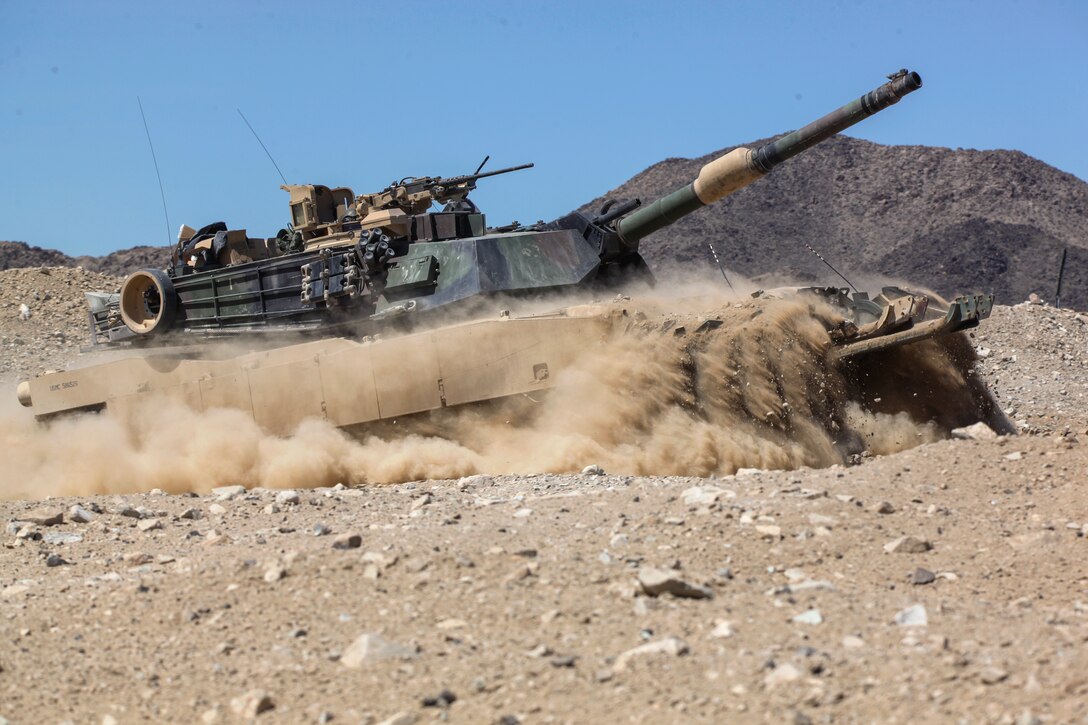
(357, 94)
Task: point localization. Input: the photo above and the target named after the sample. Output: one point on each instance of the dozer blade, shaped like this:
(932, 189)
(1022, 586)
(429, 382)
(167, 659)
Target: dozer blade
(963, 313)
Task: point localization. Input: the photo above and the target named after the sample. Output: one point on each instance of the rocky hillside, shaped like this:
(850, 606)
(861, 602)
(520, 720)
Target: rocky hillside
(15, 255)
(952, 220)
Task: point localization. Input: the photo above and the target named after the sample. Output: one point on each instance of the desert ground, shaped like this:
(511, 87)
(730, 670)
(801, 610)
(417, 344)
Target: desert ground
(943, 583)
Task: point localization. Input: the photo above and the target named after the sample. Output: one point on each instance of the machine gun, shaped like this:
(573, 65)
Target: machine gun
(415, 194)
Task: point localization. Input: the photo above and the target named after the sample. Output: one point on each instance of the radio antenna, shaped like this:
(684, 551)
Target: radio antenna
(262, 145)
(819, 257)
(720, 267)
(162, 192)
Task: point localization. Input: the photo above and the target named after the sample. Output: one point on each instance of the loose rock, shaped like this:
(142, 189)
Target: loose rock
(907, 545)
(812, 616)
(371, 648)
(672, 646)
(912, 616)
(43, 516)
(977, 432)
(61, 537)
(922, 576)
(226, 493)
(442, 699)
(79, 515)
(781, 675)
(722, 630)
(656, 582)
(703, 495)
(401, 718)
(347, 541)
(252, 704)
(290, 498)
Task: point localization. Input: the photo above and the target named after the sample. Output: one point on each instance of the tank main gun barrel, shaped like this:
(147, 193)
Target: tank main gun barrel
(741, 166)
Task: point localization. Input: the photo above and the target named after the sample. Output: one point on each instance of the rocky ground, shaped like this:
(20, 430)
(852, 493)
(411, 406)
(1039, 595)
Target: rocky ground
(43, 317)
(945, 583)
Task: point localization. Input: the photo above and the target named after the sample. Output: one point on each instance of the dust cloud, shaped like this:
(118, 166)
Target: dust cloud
(755, 391)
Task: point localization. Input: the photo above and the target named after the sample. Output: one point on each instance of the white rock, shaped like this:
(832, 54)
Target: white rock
(61, 537)
(769, 531)
(907, 545)
(749, 471)
(812, 616)
(722, 629)
(523, 513)
(401, 718)
(673, 646)
(24, 312)
(593, 470)
(810, 585)
(704, 495)
(79, 515)
(149, 525)
(781, 675)
(251, 704)
(912, 616)
(977, 432)
(655, 582)
(274, 573)
(451, 624)
(226, 493)
(371, 648)
(216, 510)
(288, 498)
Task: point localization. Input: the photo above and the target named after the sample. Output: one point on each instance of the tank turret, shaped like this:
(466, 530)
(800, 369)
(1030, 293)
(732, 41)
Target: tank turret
(420, 248)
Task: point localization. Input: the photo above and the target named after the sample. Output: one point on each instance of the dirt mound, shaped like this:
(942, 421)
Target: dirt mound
(953, 220)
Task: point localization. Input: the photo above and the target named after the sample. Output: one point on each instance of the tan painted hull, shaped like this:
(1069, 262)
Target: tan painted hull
(345, 382)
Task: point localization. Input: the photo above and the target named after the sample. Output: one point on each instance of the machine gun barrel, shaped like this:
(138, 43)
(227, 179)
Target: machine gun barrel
(742, 166)
(474, 177)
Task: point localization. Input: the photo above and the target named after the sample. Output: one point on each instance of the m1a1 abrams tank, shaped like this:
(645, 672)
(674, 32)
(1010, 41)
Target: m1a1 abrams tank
(352, 269)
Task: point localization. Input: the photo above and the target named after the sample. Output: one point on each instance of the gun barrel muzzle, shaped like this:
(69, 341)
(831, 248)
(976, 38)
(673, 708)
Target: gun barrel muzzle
(770, 155)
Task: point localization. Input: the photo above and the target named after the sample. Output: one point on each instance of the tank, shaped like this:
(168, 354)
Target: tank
(366, 282)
